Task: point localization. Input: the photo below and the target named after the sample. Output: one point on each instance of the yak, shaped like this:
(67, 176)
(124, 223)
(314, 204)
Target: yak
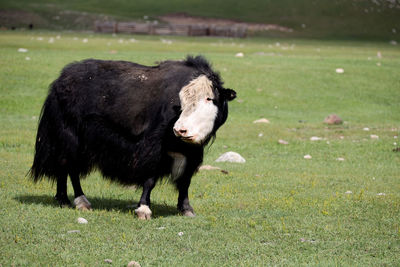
(136, 124)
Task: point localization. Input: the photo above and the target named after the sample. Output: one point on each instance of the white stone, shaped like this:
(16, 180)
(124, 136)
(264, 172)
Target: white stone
(22, 50)
(82, 220)
(307, 157)
(283, 142)
(340, 159)
(208, 167)
(133, 264)
(315, 138)
(240, 54)
(366, 129)
(263, 120)
(339, 70)
(231, 157)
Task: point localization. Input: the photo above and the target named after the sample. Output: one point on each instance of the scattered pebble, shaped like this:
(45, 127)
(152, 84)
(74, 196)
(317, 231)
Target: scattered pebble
(73, 231)
(339, 70)
(340, 159)
(333, 119)
(374, 136)
(231, 157)
(180, 233)
(108, 261)
(349, 192)
(366, 129)
(307, 157)
(208, 167)
(315, 138)
(22, 50)
(240, 54)
(263, 120)
(283, 142)
(133, 264)
(82, 220)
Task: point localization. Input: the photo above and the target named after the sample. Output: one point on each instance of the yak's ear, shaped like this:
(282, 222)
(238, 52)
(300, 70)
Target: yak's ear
(228, 94)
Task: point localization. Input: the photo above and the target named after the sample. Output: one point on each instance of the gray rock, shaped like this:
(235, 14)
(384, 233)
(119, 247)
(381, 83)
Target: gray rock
(231, 157)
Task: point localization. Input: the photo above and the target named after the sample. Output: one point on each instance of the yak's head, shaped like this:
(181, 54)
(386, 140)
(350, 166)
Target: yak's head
(204, 109)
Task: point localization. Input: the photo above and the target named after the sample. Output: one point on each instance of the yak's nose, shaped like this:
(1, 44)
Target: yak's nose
(180, 132)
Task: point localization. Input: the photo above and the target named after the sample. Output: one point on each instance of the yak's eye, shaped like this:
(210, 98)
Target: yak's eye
(209, 99)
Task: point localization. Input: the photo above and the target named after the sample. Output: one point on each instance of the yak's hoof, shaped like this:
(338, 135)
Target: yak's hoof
(143, 212)
(81, 203)
(63, 201)
(188, 213)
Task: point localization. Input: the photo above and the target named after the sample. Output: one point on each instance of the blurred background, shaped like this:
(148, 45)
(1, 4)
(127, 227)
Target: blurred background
(332, 19)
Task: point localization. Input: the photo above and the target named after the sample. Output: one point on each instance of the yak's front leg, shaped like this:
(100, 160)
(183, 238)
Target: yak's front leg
(143, 211)
(183, 198)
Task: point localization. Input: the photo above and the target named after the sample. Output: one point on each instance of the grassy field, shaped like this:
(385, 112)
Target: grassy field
(378, 19)
(276, 209)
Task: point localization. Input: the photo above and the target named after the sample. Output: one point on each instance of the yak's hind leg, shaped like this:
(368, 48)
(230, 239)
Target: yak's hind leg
(61, 195)
(80, 201)
(143, 211)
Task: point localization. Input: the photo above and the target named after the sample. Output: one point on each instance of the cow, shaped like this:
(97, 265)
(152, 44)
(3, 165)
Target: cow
(136, 124)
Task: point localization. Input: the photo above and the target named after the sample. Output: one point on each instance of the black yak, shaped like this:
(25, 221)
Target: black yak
(134, 123)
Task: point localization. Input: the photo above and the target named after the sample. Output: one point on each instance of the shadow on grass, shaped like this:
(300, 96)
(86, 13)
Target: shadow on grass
(109, 204)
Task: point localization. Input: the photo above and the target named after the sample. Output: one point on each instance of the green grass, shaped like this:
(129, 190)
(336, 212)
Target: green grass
(276, 209)
(321, 18)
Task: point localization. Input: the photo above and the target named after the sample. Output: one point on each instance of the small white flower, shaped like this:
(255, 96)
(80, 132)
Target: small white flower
(381, 194)
(374, 136)
(349, 192)
(366, 129)
(22, 50)
(240, 54)
(340, 159)
(307, 157)
(180, 233)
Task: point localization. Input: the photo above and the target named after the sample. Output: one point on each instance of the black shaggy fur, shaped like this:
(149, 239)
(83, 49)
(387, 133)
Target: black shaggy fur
(117, 116)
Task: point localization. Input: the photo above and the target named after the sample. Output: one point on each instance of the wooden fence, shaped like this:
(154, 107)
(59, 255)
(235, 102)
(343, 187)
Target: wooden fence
(239, 31)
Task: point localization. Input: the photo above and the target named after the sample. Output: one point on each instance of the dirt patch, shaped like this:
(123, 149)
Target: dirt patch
(19, 18)
(185, 19)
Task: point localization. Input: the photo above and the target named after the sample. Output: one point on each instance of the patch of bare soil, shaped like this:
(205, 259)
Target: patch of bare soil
(184, 19)
(19, 18)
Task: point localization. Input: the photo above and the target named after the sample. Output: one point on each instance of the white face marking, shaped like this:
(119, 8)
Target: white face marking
(178, 165)
(198, 111)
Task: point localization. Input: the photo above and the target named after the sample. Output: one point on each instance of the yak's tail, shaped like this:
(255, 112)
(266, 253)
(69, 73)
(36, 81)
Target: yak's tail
(47, 161)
